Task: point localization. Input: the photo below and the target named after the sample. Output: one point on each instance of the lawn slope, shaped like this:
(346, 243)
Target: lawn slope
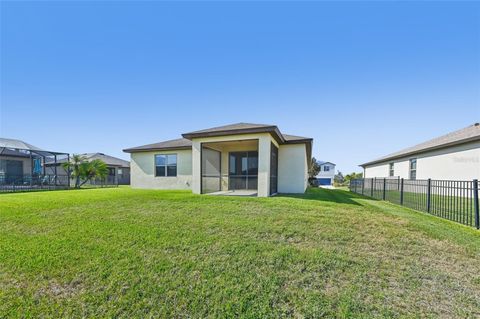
(142, 253)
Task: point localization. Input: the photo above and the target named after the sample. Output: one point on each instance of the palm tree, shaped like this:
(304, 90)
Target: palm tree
(76, 167)
(94, 169)
(83, 171)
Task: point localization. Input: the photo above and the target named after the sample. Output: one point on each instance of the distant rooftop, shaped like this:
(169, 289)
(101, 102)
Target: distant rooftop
(464, 135)
(107, 159)
(323, 162)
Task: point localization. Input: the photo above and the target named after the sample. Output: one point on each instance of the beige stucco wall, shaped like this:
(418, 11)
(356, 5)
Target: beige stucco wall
(142, 171)
(292, 168)
(461, 162)
(292, 165)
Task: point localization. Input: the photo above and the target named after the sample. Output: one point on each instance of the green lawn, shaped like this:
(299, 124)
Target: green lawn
(139, 253)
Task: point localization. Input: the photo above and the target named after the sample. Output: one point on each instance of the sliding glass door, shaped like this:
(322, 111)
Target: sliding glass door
(243, 170)
(211, 170)
(273, 169)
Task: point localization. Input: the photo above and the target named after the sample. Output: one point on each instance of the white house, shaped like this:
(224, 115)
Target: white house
(455, 156)
(243, 158)
(326, 174)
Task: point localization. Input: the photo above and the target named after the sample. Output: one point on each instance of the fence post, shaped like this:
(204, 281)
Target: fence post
(476, 204)
(429, 194)
(384, 188)
(401, 191)
(374, 181)
(363, 185)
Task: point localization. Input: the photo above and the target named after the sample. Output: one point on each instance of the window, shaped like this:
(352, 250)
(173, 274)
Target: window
(391, 170)
(111, 171)
(166, 165)
(120, 172)
(326, 168)
(413, 168)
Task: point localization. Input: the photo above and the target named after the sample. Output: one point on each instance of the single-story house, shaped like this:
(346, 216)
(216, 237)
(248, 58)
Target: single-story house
(243, 158)
(118, 169)
(454, 156)
(24, 164)
(327, 173)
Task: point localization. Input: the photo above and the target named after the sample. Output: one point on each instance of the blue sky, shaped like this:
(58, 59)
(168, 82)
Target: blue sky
(362, 78)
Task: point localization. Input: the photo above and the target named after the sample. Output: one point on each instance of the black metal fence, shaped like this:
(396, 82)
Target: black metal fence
(26, 183)
(453, 200)
(109, 181)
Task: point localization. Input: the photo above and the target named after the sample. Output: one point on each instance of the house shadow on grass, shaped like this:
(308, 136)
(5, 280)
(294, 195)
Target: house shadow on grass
(328, 195)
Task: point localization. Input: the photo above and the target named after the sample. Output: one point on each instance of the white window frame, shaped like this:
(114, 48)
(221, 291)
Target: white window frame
(391, 169)
(165, 165)
(410, 169)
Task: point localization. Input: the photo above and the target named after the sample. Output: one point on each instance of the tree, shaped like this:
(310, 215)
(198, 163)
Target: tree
(83, 171)
(339, 179)
(94, 169)
(74, 166)
(313, 170)
(351, 176)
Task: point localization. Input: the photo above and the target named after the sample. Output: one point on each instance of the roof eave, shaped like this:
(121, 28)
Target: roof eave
(133, 150)
(433, 148)
(268, 129)
(329, 163)
(300, 141)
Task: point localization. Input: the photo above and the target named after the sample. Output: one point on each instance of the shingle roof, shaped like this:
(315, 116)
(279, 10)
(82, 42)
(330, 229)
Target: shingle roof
(109, 160)
(231, 129)
(295, 138)
(237, 128)
(464, 135)
(323, 162)
(180, 143)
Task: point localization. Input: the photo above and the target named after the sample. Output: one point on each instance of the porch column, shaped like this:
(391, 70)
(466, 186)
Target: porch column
(196, 167)
(264, 143)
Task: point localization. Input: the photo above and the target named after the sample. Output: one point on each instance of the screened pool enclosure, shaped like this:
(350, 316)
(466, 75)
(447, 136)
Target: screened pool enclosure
(25, 167)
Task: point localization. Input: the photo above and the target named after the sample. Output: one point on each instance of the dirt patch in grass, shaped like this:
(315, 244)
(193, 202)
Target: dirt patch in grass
(53, 289)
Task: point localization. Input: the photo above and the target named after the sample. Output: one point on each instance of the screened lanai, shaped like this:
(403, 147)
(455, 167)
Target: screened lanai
(24, 167)
(230, 167)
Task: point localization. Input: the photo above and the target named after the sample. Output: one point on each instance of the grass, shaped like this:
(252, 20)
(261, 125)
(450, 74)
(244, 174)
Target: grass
(142, 253)
(458, 208)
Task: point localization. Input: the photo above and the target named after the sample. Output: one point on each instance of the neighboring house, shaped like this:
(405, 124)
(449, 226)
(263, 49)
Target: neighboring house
(241, 158)
(22, 163)
(455, 156)
(326, 174)
(118, 169)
